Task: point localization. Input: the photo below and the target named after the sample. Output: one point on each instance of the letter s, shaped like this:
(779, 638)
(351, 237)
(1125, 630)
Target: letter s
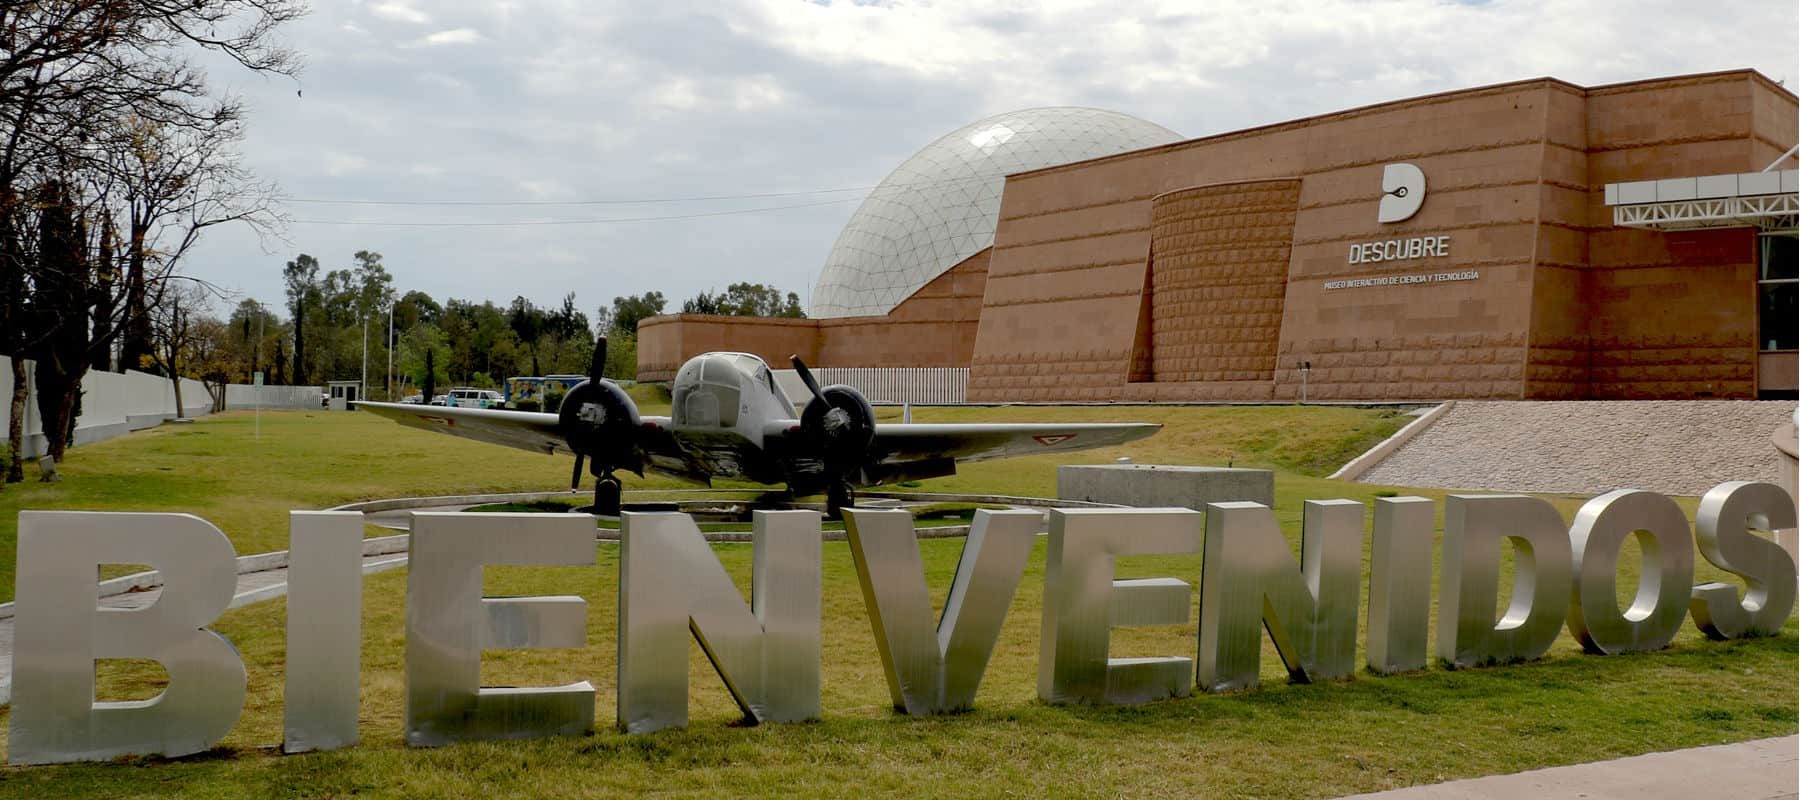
(1722, 527)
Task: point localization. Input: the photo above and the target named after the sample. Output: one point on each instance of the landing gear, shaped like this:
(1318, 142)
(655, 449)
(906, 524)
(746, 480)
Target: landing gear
(607, 492)
(838, 496)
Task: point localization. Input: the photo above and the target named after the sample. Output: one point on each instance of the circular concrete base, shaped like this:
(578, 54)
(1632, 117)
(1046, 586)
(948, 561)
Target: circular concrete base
(706, 505)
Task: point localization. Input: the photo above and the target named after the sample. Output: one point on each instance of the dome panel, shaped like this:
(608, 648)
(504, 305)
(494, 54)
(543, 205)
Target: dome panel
(941, 205)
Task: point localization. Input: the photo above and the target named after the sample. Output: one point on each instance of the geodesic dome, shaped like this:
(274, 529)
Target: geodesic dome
(941, 205)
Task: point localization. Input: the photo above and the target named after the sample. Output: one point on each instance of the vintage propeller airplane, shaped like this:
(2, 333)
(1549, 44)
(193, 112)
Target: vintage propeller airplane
(729, 419)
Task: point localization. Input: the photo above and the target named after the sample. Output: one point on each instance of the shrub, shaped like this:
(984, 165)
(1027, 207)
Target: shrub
(526, 405)
(553, 401)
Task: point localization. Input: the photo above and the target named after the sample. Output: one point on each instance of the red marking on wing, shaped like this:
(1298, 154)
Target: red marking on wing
(445, 421)
(1048, 439)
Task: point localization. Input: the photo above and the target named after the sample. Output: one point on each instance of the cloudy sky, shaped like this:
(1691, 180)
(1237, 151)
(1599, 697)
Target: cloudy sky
(600, 101)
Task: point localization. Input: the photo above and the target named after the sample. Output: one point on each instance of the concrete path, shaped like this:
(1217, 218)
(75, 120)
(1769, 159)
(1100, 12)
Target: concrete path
(252, 587)
(1760, 770)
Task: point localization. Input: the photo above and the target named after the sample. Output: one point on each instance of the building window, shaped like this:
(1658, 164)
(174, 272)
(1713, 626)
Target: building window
(1778, 293)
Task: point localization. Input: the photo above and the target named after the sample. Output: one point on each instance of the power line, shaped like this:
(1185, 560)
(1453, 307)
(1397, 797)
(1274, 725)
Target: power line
(633, 201)
(613, 202)
(597, 221)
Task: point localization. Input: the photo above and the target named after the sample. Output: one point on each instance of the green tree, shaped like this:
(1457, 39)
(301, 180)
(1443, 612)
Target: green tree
(302, 278)
(249, 348)
(628, 311)
(528, 323)
(424, 357)
(415, 308)
(746, 300)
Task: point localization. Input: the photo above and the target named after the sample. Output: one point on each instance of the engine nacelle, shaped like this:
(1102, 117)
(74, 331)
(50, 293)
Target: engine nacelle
(599, 420)
(840, 423)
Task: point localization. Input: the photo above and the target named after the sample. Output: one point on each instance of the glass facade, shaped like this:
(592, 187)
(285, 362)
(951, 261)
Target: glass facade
(1778, 293)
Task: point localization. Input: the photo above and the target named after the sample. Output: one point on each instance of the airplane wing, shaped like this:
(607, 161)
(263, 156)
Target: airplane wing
(526, 430)
(975, 442)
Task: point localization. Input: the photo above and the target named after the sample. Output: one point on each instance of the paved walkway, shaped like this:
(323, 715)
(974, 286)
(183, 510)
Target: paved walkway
(1760, 770)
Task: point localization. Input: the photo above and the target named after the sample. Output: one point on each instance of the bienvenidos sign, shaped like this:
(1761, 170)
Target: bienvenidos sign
(673, 588)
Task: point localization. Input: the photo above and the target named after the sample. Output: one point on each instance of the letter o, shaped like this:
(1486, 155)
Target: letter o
(1660, 606)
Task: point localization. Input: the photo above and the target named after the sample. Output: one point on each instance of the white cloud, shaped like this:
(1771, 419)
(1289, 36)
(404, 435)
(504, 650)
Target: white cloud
(338, 164)
(757, 93)
(681, 94)
(576, 99)
(451, 36)
(399, 12)
(446, 81)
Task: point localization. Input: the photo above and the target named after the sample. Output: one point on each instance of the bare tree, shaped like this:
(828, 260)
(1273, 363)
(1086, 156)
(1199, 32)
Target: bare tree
(74, 76)
(182, 330)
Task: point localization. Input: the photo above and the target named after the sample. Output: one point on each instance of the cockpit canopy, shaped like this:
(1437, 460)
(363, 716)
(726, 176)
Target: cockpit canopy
(711, 389)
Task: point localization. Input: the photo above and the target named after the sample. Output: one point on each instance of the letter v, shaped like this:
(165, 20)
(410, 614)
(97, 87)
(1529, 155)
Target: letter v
(936, 670)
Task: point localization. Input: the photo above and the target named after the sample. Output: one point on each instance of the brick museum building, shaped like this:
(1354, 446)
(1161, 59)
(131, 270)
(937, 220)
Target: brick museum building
(1535, 240)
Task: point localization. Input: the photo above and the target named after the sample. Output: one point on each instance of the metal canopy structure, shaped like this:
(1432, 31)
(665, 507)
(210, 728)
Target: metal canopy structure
(1764, 200)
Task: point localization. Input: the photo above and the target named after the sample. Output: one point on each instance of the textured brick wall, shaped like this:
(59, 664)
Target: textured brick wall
(935, 327)
(1412, 367)
(1566, 306)
(665, 343)
(1621, 313)
(1218, 271)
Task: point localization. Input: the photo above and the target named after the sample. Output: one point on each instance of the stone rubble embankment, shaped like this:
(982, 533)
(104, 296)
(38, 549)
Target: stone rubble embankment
(1676, 447)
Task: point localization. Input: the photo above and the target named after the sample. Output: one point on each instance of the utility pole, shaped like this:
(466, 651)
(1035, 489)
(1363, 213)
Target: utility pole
(362, 390)
(258, 378)
(390, 349)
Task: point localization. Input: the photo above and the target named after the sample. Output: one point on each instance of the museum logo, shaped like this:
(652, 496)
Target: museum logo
(1402, 192)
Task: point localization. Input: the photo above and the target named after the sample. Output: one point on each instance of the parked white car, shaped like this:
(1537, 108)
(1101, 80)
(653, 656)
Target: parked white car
(475, 398)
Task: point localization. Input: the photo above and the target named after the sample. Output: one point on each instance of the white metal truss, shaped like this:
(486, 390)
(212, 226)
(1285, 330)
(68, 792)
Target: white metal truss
(1768, 212)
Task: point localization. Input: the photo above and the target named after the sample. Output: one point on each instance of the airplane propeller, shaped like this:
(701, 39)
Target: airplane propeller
(840, 424)
(600, 424)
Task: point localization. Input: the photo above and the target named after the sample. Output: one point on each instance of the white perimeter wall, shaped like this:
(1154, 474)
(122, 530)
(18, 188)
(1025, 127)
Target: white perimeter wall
(113, 404)
(246, 396)
(925, 385)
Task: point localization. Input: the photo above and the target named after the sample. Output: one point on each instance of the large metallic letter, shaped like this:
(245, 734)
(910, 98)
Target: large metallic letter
(1722, 526)
(1248, 576)
(1601, 527)
(1082, 603)
(1400, 584)
(59, 632)
(936, 670)
(1475, 528)
(767, 653)
(449, 623)
(324, 630)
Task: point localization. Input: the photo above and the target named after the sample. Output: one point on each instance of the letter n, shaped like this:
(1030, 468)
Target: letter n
(1249, 576)
(767, 653)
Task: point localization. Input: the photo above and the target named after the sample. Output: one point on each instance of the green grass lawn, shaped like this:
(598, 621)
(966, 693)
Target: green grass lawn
(1283, 740)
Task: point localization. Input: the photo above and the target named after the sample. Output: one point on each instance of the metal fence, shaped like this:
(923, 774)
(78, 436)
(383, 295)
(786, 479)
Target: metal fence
(924, 385)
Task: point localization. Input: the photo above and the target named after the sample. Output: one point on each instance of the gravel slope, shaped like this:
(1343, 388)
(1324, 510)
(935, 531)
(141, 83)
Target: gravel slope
(1677, 447)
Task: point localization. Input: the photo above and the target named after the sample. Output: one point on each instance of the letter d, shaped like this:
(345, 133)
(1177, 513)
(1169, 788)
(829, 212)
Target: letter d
(59, 632)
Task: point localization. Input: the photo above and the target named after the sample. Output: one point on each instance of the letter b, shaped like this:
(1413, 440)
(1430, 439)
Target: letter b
(59, 632)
